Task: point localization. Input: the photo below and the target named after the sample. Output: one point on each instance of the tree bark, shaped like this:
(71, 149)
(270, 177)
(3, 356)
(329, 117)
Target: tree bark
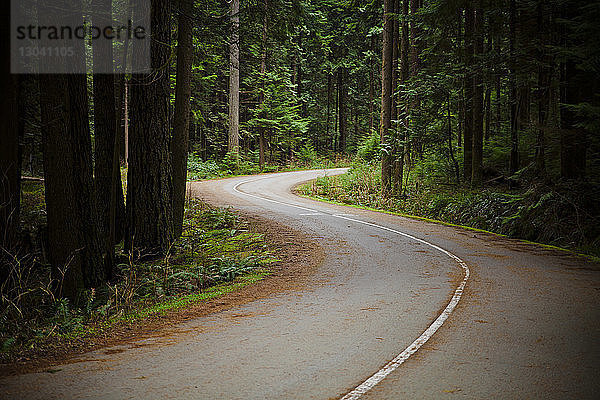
(404, 76)
(487, 106)
(328, 124)
(263, 72)
(450, 147)
(371, 89)
(181, 119)
(342, 109)
(149, 178)
(477, 139)
(461, 93)
(386, 95)
(514, 117)
(73, 245)
(468, 91)
(573, 147)
(233, 143)
(10, 171)
(106, 170)
(415, 67)
(545, 66)
(398, 146)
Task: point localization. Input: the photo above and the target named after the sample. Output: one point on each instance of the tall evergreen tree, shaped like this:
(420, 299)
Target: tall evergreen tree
(181, 120)
(149, 177)
(234, 79)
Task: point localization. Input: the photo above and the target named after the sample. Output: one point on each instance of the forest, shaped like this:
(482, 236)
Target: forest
(479, 113)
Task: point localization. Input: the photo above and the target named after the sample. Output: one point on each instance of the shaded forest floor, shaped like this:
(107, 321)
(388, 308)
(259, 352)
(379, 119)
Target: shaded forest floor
(563, 214)
(222, 259)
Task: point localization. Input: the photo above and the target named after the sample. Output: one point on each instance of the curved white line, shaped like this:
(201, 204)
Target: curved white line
(425, 336)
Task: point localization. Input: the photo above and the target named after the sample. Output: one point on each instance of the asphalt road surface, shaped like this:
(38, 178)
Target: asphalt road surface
(425, 311)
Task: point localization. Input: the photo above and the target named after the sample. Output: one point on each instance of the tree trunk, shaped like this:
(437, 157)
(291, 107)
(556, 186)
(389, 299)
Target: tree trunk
(342, 109)
(106, 170)
(415, 67)
(461, 93)
(488, 114)
(398, 146)
(371, 89)
(514, 117)
(328, 124)
(233, 143)
(545, 66)
(149, 191)
(335, 142)
(263, 71)
(404, 76)
(73, 245)
(74, 249)
(181, 118)
(477, 139)
(573, 138)
(10, 171)
(450, 147)
(10, 166)
(468, 91)
(386, 94)
(121, 98)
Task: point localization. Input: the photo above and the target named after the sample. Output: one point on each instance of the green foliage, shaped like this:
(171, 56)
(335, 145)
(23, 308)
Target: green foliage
(565, 215)
(198, 169)
(215, 248)
(307, 154)
(369, 148)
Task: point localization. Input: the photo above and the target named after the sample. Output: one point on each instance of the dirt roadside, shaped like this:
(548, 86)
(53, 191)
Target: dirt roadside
(298, 258)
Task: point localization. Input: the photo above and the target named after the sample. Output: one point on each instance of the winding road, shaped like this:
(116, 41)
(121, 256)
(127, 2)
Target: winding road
(398, 309)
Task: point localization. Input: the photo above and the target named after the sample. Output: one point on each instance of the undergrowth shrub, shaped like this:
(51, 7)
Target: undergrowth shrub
(566, 214)
(215, 247)
(369, 148)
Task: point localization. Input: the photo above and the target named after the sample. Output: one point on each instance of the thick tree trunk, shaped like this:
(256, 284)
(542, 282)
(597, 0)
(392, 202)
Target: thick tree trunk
(106, 170)
(63, 242)
(10, 168)
(73, 245)
(181, 118)
(233, 143)
(149, 184)
(477, 140)
(468, 91)
(10, 171)
(386, 95)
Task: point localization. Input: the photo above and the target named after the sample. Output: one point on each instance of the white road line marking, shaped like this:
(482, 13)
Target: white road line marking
(387, 369)
(310, 214)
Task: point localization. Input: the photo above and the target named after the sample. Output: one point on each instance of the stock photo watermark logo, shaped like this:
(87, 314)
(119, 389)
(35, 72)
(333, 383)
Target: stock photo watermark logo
(73, 36)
